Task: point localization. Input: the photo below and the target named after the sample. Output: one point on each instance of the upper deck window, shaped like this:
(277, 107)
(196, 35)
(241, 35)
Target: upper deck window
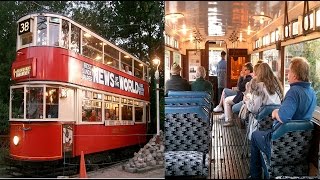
(42, 30)
(25, 31)
(92, 47)
(65, 34)
(54, 25)
(75, 38)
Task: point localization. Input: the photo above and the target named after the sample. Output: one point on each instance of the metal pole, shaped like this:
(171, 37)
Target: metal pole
(158, 108)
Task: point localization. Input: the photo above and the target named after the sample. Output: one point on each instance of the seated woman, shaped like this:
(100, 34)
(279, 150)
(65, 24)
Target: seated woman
(236, 108)
(264, 89)
(93, 116)
(201, 84)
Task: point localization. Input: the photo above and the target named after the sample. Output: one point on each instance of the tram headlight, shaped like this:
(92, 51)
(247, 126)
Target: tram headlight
(16, 140)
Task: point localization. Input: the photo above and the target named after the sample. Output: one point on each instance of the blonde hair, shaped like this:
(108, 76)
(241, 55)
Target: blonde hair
(300, 67)
(272, 83)
(200, 72)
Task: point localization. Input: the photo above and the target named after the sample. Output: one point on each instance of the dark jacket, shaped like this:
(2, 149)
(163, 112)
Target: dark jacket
(242, 81)
(201, 85)
(177, 83)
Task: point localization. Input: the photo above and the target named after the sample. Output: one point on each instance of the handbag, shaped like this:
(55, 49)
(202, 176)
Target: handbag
(244, 113)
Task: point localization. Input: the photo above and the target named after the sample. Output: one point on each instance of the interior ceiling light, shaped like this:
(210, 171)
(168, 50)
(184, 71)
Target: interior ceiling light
(174, 16)
(261, 18)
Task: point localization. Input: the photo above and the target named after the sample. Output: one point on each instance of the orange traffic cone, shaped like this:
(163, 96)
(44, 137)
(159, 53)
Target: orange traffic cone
(83, 172)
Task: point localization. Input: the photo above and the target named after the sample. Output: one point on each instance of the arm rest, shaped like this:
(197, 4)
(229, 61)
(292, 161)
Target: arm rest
(266, 110)
(293, 125)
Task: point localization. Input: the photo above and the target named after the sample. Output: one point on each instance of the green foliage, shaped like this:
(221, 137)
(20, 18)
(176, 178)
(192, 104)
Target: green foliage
(310, 50)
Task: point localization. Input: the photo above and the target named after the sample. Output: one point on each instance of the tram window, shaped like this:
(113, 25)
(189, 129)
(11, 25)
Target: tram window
(65, 34)
(34, 102)
(111, 52)
(318, 18)
(92, 47)
(52, 102)
(138, 112)
(111, 111)
(295, 28)
(110, 61)
(214, 58)
(42, 30)
(145, 70)
(26, 38)
(91, 106)
(138, 69)
(54, 31)
(309, 50)
(273, 37)
(126, 111)
(126, 63)
(236, 66)
(271, 57)
(306, 21)
(75, 38)
(17, 108)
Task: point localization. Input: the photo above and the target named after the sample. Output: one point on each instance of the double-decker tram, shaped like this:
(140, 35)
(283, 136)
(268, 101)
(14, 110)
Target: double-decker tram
(73, 92)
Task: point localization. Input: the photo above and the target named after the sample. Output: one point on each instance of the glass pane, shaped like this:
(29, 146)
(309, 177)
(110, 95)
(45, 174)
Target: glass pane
(309, 50)
(17, 103)
(214, 58)
(295, 28)
(138, 69)
(53, 34)
(92, 47)
(34, 102)
(126, 112)
(111, 111)
(236, 66)
(42, 30)
(52, 102)
(271, 57)
(75, 39)
(65, 34)
(126, 65)
(138, 113)
(318, 18)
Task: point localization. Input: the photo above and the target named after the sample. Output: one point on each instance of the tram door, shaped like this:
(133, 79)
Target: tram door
(235, 60)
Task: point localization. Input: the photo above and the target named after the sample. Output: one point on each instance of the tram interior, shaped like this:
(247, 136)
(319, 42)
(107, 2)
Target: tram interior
(248, 31)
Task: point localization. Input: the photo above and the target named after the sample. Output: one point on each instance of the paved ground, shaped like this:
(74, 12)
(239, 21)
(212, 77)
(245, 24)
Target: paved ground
(117, 172)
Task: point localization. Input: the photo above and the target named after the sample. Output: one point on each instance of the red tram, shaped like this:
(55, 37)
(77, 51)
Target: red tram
(71, 92)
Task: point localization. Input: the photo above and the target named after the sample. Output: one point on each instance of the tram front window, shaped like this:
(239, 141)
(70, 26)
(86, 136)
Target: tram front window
(17, 103)
(52, 102)
(34, 103)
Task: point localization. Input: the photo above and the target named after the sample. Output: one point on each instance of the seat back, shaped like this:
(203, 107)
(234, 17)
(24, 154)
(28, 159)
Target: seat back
(264, 117)
(186, 101)
(185, 129)
(290, 144)
(189, 94)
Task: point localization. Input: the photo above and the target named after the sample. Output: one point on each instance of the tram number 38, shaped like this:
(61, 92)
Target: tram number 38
(24, 27)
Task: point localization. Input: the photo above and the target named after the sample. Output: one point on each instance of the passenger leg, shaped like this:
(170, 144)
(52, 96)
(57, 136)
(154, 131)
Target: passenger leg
(260, 140)
(225, 93)
(227, 110)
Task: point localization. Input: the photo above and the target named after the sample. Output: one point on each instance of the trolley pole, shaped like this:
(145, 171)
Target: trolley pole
(156, 61)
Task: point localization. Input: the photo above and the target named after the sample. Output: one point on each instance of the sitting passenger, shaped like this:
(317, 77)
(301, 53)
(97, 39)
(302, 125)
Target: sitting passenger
(107, 117)
(201, 84)
(236, 108)
(298, 104)
(176, 82)
(93, 116)
(245, 76)
(264, 89)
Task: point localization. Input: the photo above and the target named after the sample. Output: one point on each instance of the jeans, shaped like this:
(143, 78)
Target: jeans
(236, 107)
(229, 92)
(260, 140)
